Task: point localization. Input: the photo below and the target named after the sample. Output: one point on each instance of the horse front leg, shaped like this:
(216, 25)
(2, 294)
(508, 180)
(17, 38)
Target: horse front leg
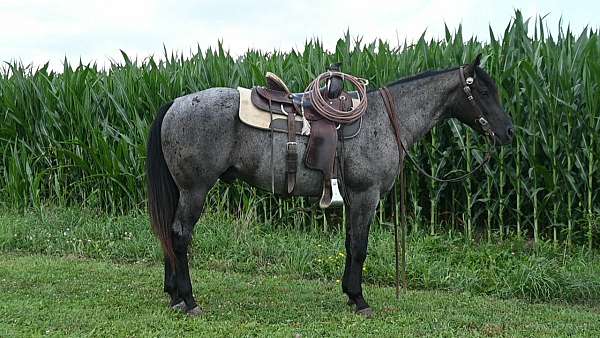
(361, 208)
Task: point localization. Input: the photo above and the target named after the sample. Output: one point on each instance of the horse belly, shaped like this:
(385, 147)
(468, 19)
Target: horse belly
(254, 164)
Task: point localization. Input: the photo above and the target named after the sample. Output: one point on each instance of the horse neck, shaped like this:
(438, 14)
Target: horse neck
(420, 104)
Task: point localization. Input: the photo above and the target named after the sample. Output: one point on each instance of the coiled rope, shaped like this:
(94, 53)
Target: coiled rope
(323, 106)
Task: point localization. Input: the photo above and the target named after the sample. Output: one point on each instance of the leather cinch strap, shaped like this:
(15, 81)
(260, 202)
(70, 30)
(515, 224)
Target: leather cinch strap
(291, 158)
(291, 148)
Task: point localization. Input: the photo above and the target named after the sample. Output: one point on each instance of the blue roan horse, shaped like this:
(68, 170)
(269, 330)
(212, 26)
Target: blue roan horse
(198, 138)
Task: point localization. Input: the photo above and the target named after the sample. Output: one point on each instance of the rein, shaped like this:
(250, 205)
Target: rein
(390, 104)
(390, 107)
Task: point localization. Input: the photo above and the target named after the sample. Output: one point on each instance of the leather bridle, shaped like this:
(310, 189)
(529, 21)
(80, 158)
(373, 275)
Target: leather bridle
(390, 107)
(479, 118)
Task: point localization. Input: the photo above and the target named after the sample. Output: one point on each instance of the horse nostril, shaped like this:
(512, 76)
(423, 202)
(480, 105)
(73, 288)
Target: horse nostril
(510, 131)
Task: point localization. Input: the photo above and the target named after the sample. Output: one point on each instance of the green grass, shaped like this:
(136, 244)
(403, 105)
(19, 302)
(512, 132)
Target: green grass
(512, 268)
(66, 296)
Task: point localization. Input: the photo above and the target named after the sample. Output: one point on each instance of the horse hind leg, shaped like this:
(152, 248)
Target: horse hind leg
(188, 212)
(170, 287)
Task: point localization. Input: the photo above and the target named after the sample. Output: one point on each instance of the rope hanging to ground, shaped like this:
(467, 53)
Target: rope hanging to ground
(390, 107)
(323, 106)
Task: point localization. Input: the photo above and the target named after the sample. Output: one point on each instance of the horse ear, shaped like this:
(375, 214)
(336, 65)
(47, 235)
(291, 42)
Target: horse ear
(477, 60)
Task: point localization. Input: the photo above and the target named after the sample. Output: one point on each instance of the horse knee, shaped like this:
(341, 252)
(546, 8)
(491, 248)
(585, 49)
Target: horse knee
(359, 251)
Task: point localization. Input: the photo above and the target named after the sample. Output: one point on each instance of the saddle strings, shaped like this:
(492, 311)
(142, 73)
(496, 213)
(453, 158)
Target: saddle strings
(323, 106)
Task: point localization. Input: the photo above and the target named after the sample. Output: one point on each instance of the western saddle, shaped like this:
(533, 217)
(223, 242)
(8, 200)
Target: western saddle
(323, 132)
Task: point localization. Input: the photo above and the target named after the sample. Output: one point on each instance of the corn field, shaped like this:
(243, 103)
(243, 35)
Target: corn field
(78, 137)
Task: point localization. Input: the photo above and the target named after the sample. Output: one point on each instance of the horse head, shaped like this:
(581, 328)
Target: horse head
(477, 104)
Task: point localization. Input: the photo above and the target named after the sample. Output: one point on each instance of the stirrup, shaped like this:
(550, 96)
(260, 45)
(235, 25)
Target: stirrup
(331, 195)
(336, 198)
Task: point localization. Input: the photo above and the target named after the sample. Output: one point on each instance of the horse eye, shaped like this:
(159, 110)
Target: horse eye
(484, 92)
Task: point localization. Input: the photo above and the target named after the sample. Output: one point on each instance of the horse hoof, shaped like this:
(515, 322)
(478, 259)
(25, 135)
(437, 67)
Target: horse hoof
(179, 306)
(366, 312)
(194, 312)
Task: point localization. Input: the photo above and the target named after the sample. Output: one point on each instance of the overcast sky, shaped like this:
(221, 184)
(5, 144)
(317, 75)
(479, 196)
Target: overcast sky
(37, 31)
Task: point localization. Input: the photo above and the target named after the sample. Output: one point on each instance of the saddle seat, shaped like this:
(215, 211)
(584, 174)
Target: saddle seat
(282, 107)
(283, 102)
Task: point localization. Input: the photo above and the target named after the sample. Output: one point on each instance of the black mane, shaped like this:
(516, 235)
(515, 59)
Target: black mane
(420, 76)
(480, 74)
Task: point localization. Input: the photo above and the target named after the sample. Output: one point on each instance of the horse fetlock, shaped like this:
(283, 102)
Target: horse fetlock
(358, 300)
(175, 299)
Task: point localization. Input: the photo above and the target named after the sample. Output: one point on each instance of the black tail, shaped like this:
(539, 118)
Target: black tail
(163, 194)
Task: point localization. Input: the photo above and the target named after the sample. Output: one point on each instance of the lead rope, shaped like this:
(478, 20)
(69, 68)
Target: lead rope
(387, 100)
(395, 214)
(389, 103)
(404, 226)
(403, 236)
(480, 120)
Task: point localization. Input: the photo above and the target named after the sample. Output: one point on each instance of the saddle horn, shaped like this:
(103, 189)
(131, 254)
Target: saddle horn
(335, 85)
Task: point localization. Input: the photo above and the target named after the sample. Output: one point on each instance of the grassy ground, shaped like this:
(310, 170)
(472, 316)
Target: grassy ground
(44, 295)
(506, 269)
